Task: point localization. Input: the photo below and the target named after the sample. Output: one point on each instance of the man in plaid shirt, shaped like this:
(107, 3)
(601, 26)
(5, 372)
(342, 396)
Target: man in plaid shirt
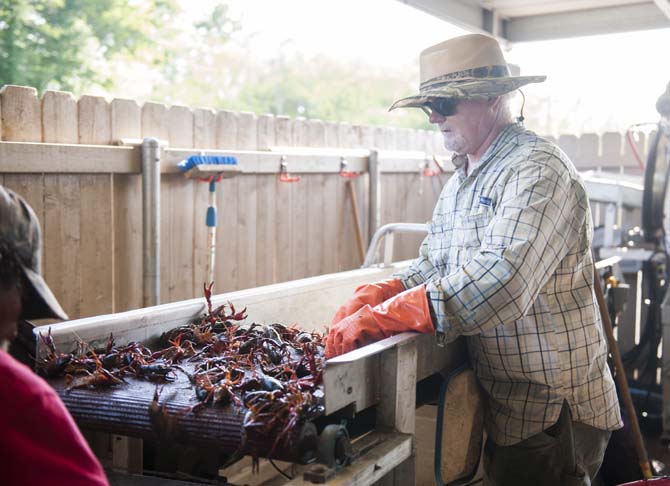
(507, 264)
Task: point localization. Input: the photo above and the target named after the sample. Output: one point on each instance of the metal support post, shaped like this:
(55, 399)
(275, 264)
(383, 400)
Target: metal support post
(374, 170)
(151, 210)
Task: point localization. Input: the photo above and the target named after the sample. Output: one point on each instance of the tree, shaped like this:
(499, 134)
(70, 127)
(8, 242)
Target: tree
(65, 44)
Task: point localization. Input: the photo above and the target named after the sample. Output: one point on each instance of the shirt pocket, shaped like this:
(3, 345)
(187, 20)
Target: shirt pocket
(472, 226)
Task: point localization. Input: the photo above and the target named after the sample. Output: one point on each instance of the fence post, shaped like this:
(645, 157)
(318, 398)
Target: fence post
(151, 210)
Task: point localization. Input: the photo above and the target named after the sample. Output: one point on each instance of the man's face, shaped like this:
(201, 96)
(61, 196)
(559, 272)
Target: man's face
(10, 310)
(465, 130)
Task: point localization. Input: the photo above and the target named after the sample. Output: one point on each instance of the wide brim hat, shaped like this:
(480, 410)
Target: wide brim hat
(466, 67)
(20, 235)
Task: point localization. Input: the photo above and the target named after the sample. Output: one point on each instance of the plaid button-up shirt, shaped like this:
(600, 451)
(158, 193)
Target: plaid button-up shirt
(507, 263)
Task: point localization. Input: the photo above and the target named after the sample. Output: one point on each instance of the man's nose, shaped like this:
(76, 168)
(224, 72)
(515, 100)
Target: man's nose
(436, 118)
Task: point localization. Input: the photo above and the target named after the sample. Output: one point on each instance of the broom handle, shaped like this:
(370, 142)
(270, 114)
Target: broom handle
(357, 222)
(621, 379)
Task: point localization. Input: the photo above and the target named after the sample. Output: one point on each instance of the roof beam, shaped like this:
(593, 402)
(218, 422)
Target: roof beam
(663, 6)
(607, 20)
(466, 14)
(604, 20)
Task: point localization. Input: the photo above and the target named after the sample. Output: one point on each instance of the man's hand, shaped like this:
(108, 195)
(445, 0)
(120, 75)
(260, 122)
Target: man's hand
(407, 311)
(369, 294)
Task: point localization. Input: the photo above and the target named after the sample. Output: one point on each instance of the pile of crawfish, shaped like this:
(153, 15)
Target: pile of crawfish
(270, 373)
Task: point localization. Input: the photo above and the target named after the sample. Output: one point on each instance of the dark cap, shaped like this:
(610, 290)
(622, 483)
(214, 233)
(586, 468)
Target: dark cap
(20, 235)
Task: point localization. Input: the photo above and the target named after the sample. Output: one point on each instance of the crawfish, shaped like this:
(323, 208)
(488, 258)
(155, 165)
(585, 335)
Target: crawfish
(219, 392)
(155, 371)
(55, 363)
(99, 377)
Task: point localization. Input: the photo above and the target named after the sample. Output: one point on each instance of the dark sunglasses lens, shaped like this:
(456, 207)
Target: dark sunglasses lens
(444, 107)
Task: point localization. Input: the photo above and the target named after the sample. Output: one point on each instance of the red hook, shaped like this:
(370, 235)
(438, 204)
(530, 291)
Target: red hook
(346, 173)
(284, 175)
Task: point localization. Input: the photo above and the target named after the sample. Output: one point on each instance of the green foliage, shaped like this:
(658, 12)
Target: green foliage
(145, 50)
(66, 44)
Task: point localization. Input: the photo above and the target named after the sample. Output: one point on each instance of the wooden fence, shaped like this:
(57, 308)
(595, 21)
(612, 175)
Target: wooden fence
(89, 200)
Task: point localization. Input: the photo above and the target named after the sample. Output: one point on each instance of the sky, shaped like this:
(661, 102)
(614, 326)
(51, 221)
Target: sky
(594, 84)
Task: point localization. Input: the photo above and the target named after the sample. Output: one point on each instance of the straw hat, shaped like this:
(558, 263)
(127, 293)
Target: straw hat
(466, 67)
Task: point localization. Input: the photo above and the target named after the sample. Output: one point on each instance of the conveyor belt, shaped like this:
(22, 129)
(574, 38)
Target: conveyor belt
(129, 409)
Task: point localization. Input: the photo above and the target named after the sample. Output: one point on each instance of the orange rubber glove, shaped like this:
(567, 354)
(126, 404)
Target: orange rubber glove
(407, 311)
(369, 294)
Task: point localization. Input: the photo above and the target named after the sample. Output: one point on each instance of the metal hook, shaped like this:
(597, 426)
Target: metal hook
(343, 170)
(284, 175)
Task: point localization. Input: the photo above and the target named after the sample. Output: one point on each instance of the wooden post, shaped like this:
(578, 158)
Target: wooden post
(397, 404)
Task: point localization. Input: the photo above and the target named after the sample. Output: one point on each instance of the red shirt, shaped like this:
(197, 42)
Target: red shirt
(39, 441)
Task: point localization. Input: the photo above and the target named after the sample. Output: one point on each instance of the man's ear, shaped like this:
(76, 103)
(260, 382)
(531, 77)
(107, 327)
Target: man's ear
(496, 100)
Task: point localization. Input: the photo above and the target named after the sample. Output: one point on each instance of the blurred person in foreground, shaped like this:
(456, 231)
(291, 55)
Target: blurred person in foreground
(41, 443)
(507, 263)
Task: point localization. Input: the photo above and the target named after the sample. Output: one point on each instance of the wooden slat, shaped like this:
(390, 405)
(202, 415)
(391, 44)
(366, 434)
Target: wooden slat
(62, 238)
(328, 218)
(59, 117)
(21, 114)
(587, 152)
(611, 149)
(204, 137)
(266, 220)
(245, 230)
(95, 121)
(300, 226)
(126, 122)
(319, 248)
(568, 143)
(96, 250)
(283, 208)
(226, 273)
(32, 158)
(180, 210)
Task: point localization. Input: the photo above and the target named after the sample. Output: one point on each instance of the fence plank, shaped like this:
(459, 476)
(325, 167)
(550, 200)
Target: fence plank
(245, 231)
(62, 213)
(21, 118)
(283, 208)
(21, 114)
(59, 117)
(227, 267)
(204, 137)
(95, 200)
(587, 152)
(611, 149)
(299, 212)
(266, 218)
(568, 143)
(180, 210)
(126, 122)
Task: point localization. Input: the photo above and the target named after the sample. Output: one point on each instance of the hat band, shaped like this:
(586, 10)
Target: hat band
(497, 71)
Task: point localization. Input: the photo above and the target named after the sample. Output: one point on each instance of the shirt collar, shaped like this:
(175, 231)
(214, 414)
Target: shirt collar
(504, 137)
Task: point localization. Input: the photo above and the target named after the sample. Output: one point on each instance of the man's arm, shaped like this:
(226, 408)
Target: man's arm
(421, 270)
(540, 217)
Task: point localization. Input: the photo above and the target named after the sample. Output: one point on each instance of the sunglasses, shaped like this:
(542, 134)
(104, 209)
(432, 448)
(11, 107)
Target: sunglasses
(441, 106)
